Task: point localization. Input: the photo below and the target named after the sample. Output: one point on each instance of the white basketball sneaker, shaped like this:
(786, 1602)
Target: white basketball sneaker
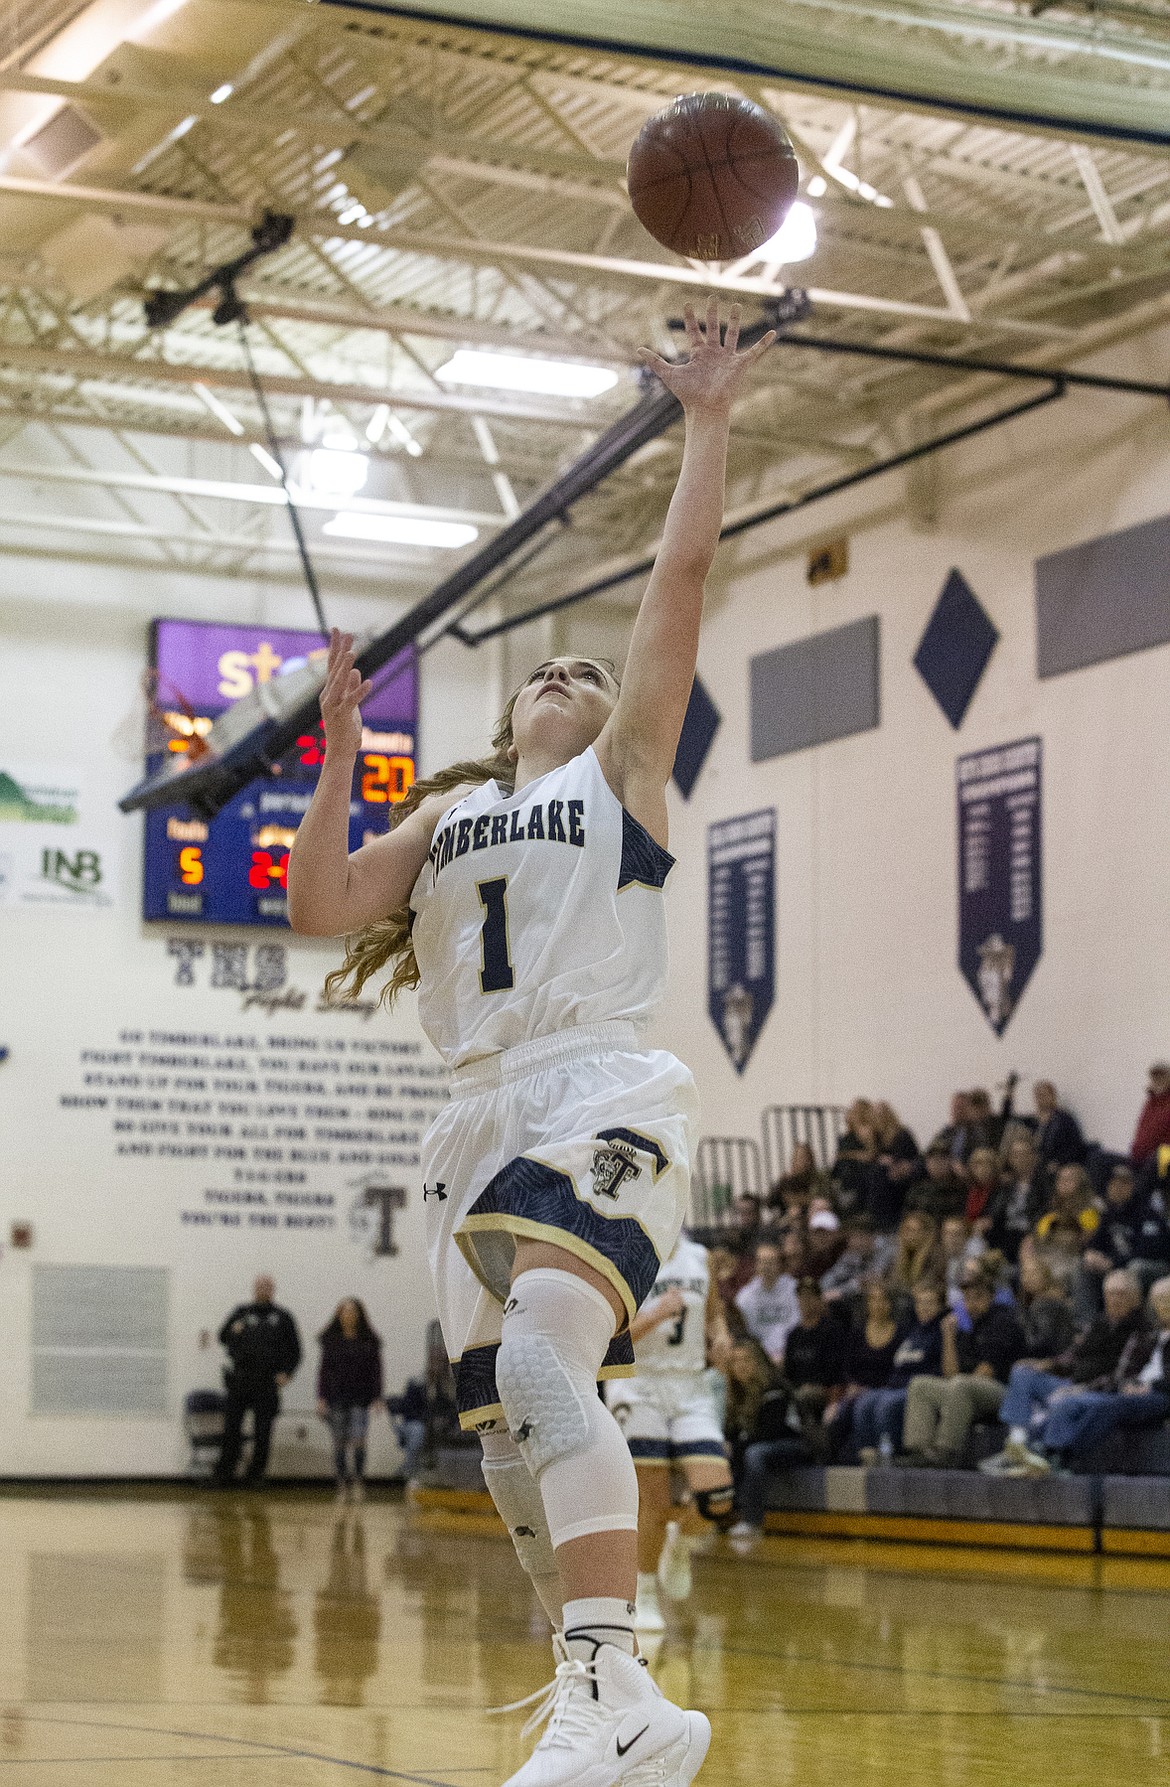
(674, 1566)
(608, 1722)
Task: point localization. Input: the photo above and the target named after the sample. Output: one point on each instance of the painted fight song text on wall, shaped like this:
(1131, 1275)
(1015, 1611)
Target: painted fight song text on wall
(1000, 874)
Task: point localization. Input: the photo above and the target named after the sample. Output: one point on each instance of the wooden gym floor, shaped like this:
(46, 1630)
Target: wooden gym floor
(269, 1641)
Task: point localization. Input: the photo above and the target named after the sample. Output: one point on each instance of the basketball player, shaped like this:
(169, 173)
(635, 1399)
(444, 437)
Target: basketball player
(669, 1418)
(523, 896)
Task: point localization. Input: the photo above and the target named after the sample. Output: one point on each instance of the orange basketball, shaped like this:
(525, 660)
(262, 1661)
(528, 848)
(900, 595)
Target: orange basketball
(711, 176)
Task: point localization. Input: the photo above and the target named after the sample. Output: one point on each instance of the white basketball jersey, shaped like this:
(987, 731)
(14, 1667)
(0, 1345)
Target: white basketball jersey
(537, 911)
(679, 1344)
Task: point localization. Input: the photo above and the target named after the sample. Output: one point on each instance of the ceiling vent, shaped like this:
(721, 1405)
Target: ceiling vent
(58, 146)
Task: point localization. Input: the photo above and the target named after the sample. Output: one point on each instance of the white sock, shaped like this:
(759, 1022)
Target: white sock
(595, 1620)
(1018, 1436)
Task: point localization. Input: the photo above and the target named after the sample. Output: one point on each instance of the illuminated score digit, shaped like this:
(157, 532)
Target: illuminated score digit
(191, 865)
(267, 869)
(311, 746)
(387, 778)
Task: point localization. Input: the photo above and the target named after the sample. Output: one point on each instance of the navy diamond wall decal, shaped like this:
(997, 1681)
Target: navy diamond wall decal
(700, 724)
(953, 652)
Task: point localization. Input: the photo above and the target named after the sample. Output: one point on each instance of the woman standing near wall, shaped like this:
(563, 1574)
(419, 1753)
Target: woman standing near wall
(349, 1386)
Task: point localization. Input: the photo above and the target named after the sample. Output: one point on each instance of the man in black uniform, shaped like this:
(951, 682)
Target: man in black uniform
(264, 1350)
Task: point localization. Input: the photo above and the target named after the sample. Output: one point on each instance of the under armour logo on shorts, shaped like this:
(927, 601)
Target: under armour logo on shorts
(437, 1190)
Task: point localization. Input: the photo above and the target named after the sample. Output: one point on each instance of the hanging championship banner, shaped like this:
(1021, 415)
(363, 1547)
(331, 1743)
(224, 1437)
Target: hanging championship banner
(1000, 924)
(741, 929)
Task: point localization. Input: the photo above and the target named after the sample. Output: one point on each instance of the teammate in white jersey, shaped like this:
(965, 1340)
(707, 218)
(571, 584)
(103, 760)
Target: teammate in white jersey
(668, 1414)
(523, 896)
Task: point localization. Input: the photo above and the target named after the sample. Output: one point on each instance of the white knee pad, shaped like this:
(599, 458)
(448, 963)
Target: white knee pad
(556, 1331)
(516, 1494)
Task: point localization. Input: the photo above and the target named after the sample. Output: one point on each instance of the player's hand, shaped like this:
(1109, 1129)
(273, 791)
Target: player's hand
(710, 377)
(670, 1304)
(341, 697)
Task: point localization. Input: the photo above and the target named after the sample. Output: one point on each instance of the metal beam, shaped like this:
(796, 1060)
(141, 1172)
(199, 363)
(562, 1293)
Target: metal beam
(268, 496)
(128, 369)
(919, 70)
(770, 509)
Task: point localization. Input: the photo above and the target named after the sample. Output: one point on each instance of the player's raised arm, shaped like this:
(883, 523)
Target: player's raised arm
(638, 745)
(331, 892)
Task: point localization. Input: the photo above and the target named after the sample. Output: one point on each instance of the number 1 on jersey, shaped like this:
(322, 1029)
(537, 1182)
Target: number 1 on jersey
(496, 975)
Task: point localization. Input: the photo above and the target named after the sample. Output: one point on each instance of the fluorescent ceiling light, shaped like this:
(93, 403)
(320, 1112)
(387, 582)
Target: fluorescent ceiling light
(264, 457)
(338, 471)
(795, 240)
(400, 530)
(516, 372)
(376, 426)
(222, 93)
(403, 436)
(219, 410)
(817, 187)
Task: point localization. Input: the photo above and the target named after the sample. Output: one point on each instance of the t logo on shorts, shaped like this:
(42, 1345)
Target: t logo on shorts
(612, 1166)
(617, 1160)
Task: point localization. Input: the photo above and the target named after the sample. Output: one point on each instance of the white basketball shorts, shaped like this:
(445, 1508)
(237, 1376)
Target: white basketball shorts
(581, 1139)
(668, 1417)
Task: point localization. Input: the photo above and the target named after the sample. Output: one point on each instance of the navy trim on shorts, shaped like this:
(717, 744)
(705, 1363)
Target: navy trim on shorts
(533, 1192)
(651, 1451)
(475, 1379)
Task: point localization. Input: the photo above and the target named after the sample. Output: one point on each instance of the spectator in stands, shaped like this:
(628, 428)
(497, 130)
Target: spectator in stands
(959, 1247)
(878, 1413)
(983, 1184)
(897, 1166)
(856, 1154)
(744, 1231)
(953, 1138)
(918, 1254)
(867, 1254)
(1060, 1246)
(1089, 1363)
(1132, 1234)
(1019, 1203)
(791, 1195)
(1138, 1394)
(824, 1241)
(1072, 1196)
(1058, 1137)
(264, 1349)
(814, 1363)
(976, 1362)
(1045, 1308)
(349, 1388)
(723, 1266)
(768, 1302)
(987, 1125)
(758, 1435)
(941, 1192)
(867, 1359)
(1153, 1130)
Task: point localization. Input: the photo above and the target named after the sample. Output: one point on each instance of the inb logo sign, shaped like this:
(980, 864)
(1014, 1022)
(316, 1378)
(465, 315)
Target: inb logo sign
(80, 872)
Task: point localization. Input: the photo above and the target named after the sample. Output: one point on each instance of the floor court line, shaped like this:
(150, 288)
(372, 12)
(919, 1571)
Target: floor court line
(934, 1675)
(258, 1749)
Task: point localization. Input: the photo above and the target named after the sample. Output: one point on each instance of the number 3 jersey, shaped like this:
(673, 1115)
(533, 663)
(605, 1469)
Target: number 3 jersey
(537, 912)
(680, 1342)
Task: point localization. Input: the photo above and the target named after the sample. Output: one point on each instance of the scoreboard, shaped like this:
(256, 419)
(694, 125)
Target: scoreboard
(233, 869)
